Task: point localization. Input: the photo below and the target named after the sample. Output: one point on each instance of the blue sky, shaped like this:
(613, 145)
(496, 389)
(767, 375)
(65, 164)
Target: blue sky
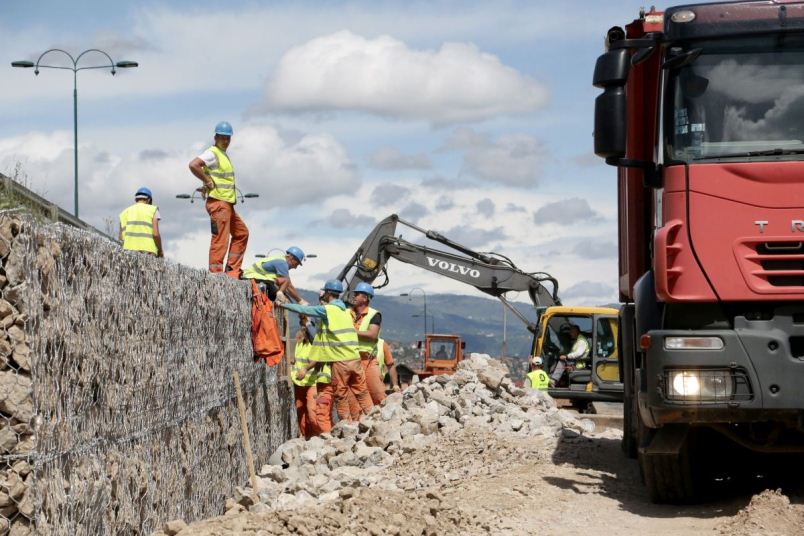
(474, 119)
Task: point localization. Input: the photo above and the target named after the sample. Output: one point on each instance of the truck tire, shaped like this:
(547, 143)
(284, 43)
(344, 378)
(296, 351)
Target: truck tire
(669, 477)
(627, 347)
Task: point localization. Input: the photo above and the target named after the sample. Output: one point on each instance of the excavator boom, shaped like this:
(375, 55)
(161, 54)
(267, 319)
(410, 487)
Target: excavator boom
(491, 273)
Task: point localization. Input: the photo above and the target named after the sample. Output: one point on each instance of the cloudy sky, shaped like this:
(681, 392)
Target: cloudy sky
(470, 118)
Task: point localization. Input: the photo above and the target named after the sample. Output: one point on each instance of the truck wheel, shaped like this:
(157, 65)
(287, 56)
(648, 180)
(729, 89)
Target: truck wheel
(666, 465)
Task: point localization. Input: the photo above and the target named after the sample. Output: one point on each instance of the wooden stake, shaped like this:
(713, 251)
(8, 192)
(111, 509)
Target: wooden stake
(241, 407)
(288, 362)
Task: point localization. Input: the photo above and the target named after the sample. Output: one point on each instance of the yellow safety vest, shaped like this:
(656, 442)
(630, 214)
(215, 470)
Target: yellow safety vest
(256, 271)
(381, 358)
(539, 379)
(319, 374)
(137, 224)
(336, 339)
(366, 346)
(223, 176)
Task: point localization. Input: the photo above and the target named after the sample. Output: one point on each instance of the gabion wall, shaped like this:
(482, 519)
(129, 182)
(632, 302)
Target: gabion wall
(117, 407)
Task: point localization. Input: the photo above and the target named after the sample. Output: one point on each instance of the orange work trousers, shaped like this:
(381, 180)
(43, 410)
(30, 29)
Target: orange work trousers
(348, 378)
(376, 387)
(375, 384)
(223, 255)
(314, 409)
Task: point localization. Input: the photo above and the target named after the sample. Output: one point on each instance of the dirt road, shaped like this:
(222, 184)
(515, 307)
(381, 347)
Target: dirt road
(475, 482)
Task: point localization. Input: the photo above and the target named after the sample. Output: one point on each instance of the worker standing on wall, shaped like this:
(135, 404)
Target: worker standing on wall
(336, 343)
(214, 169)
(313, 391)
(368, 322)
(273, 275)
(139, 225)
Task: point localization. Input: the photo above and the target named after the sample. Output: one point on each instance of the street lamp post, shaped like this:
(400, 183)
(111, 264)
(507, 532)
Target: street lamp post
(432, 321)
(75, 68)
(424, 297)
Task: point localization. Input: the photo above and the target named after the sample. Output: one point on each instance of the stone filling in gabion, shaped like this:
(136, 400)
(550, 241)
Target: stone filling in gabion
(117, 407)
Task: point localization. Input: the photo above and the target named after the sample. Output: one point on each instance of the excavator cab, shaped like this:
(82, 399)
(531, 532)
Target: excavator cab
(596, 374)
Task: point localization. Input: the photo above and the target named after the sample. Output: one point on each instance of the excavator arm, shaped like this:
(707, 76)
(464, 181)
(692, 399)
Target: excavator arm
(491, 273)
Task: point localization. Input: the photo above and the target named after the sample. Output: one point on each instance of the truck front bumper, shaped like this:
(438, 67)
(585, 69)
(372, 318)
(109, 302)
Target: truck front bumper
(755, 376)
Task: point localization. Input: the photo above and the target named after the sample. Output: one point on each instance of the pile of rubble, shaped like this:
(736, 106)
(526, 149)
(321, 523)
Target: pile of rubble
(355, 457)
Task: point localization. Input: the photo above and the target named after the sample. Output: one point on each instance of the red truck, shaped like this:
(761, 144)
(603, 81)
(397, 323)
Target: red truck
(702, 113)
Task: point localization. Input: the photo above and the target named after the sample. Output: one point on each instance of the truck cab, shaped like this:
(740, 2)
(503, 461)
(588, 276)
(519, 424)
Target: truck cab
(702, 113)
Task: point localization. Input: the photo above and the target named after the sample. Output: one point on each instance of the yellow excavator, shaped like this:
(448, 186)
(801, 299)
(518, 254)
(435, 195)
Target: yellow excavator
(496, 275)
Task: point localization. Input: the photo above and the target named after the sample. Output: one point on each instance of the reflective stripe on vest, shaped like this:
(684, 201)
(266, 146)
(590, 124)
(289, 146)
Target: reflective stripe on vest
(320, 374)
(539, 379)
(381, 358)
(223, 176)
(256, 271)
(336, 339)
(137, 225)
(367, 346)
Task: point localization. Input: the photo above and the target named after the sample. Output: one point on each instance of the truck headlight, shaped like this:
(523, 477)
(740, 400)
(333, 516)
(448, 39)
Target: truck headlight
(693, 343)
(700, 384)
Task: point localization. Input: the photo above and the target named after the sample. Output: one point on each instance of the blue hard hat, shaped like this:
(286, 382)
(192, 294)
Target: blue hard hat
(333, 285)
(296, 252)
(365, 288)
(144, 192)
(223, 128)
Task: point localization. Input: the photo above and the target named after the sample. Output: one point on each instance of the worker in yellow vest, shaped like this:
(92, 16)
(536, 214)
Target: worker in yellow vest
(537, 378)
(214, 169)
(273, 275)
(313, 391)
(139, 225)
(336, 344)
(368, 322)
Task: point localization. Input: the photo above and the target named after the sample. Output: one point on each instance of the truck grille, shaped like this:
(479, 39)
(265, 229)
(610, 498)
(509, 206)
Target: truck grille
(773, 265)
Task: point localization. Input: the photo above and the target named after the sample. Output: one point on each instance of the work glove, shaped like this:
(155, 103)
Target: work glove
(397, 388)
(303, 302)
(281, 299)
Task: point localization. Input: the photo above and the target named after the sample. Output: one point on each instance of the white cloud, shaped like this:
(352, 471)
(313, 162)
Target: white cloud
(387, 194)
(485, 207)
(511, 159)
(475, 237)
(383, 76)
(342, 218)
(282, 172)
(389, 158)
(595, 249)
(589, 293)
(565, 211)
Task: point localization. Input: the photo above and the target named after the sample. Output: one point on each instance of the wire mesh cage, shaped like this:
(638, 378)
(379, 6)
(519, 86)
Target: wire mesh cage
(117, 409)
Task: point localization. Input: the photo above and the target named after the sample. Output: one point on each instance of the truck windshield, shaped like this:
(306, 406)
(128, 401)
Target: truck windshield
(736, 100)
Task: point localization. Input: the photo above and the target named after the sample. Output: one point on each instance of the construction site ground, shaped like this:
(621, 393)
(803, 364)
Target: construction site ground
(476, 482)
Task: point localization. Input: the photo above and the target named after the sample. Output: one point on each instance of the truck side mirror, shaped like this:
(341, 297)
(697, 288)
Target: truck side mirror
(419, 345)
(463, 345)
(611, 74)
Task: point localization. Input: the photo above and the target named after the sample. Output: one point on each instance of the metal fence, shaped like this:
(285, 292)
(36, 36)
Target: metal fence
(41, 207)
(117, 409)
